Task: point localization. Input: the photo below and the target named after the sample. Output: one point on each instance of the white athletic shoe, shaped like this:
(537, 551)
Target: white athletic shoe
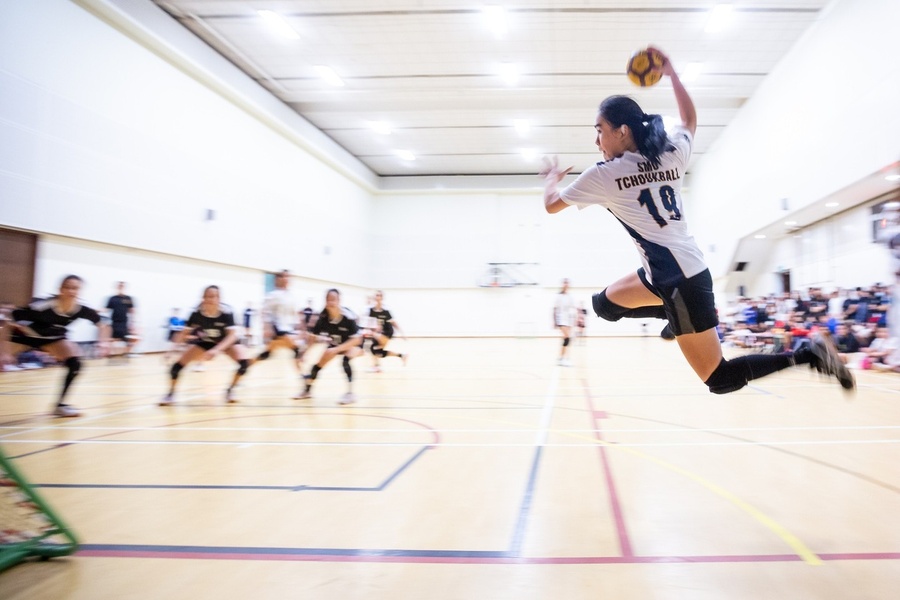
(168, 400)
(565, 362)
(64, 410)
(229, 397)
(347, 398)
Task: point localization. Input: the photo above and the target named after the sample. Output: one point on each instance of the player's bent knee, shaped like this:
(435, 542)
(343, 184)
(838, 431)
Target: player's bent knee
(725, 379)
(243, 365)
(606, 308)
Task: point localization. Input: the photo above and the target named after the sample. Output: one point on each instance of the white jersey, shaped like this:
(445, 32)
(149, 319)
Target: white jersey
(280, 310)
(647, 202)
(564, 310)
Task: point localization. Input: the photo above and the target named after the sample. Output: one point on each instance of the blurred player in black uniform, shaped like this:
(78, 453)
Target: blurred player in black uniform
(121, 315)
(42, 325)
(337, 327)
(210, 331)
(383, 328)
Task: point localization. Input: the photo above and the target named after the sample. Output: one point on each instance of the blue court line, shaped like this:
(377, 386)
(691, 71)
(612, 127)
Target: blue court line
(289, 488)
(262, 551)
(515, 547)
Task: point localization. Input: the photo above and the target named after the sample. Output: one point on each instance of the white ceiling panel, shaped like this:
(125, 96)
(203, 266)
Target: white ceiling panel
(431, 70)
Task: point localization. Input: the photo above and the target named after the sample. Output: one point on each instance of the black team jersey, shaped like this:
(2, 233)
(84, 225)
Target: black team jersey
(44, 318)
(209, 331)
(384, 320)
(339, 330)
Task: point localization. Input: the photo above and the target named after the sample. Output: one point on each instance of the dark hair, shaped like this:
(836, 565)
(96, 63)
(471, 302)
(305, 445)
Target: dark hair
(648, 130)
(335, 290)
(210, 287)
(71, 278)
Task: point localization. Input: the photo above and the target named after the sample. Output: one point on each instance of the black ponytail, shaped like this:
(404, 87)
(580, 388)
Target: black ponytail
(648, 131)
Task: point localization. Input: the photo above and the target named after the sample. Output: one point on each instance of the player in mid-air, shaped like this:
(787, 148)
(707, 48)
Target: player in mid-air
(337, 327)
(210, 331)
(43, 325)
(639, 182)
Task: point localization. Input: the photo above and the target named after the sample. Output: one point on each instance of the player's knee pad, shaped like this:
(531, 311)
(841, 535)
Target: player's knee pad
(566, 342)
(379, 351)
(314, 372)
(606, 308)
(347, 368)
(73, 364)
(175, 370)
(264, 355)
(297, 353)
(243, 365)
(726, 378)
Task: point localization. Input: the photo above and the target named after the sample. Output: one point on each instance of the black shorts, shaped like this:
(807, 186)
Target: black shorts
(690, 305)
(204, 345)
(33, 342)
(119, 331)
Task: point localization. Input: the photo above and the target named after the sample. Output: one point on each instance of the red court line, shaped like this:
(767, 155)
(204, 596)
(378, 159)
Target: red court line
(615, 504)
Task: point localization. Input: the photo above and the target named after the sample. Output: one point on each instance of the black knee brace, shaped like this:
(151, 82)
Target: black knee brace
(728, 377)
(243, 365)
(73, 364)
(314, 372)
(264, 355)
(606, 308)
(176, 369)
(347, 369)
(565, 342)
(297, 352)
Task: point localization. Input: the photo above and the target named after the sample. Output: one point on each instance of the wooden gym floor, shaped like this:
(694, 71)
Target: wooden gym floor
(482, 470)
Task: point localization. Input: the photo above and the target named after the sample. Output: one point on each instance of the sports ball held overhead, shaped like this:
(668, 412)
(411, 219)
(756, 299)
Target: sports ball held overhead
(644, 67)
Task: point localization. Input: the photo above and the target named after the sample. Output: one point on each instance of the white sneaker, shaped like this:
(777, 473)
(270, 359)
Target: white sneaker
(64, 410)
(565, 362)
(168, 400)
(347, 398)
(229, 397)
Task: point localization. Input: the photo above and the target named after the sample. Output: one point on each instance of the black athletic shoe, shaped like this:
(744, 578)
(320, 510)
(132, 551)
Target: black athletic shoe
(666, 333)
(827, 361)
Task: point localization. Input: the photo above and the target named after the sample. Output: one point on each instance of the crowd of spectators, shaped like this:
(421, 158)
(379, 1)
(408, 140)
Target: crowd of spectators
(856, 318)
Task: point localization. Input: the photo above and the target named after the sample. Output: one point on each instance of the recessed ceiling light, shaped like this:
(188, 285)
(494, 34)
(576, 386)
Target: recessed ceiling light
(495, 19)
(278, 24)
(380, 127)
(832, 204)
(893, 177)
(528, 153)
(719, 18)
(405, 154)
(522, 126)
(790, 223)
(760, 236)
(328, 74)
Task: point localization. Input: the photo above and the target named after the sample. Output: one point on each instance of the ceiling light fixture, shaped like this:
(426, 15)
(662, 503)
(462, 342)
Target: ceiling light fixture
(495, 19)
(893, 177)
(380, 127)
(831, 204)
(405, 154)
(760, 236)
(328, 74)
(522, 126)
(278, 24)
(528, 154)
(719, 18)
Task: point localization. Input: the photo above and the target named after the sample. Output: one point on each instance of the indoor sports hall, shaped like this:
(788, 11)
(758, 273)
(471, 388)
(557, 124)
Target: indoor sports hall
(394, 147)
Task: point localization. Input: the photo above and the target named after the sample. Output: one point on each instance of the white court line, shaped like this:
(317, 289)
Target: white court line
(547, 412)
(244, 443)
(176, 427)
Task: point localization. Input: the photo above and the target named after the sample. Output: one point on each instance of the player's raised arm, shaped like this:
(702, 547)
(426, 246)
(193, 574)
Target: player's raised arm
(686, 107)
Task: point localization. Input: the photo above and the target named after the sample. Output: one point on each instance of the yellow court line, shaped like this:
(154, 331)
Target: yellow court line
(799, 548)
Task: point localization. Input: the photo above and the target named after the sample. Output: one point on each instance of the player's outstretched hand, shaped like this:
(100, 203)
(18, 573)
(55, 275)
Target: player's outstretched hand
(667, 68)
(551, 171)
